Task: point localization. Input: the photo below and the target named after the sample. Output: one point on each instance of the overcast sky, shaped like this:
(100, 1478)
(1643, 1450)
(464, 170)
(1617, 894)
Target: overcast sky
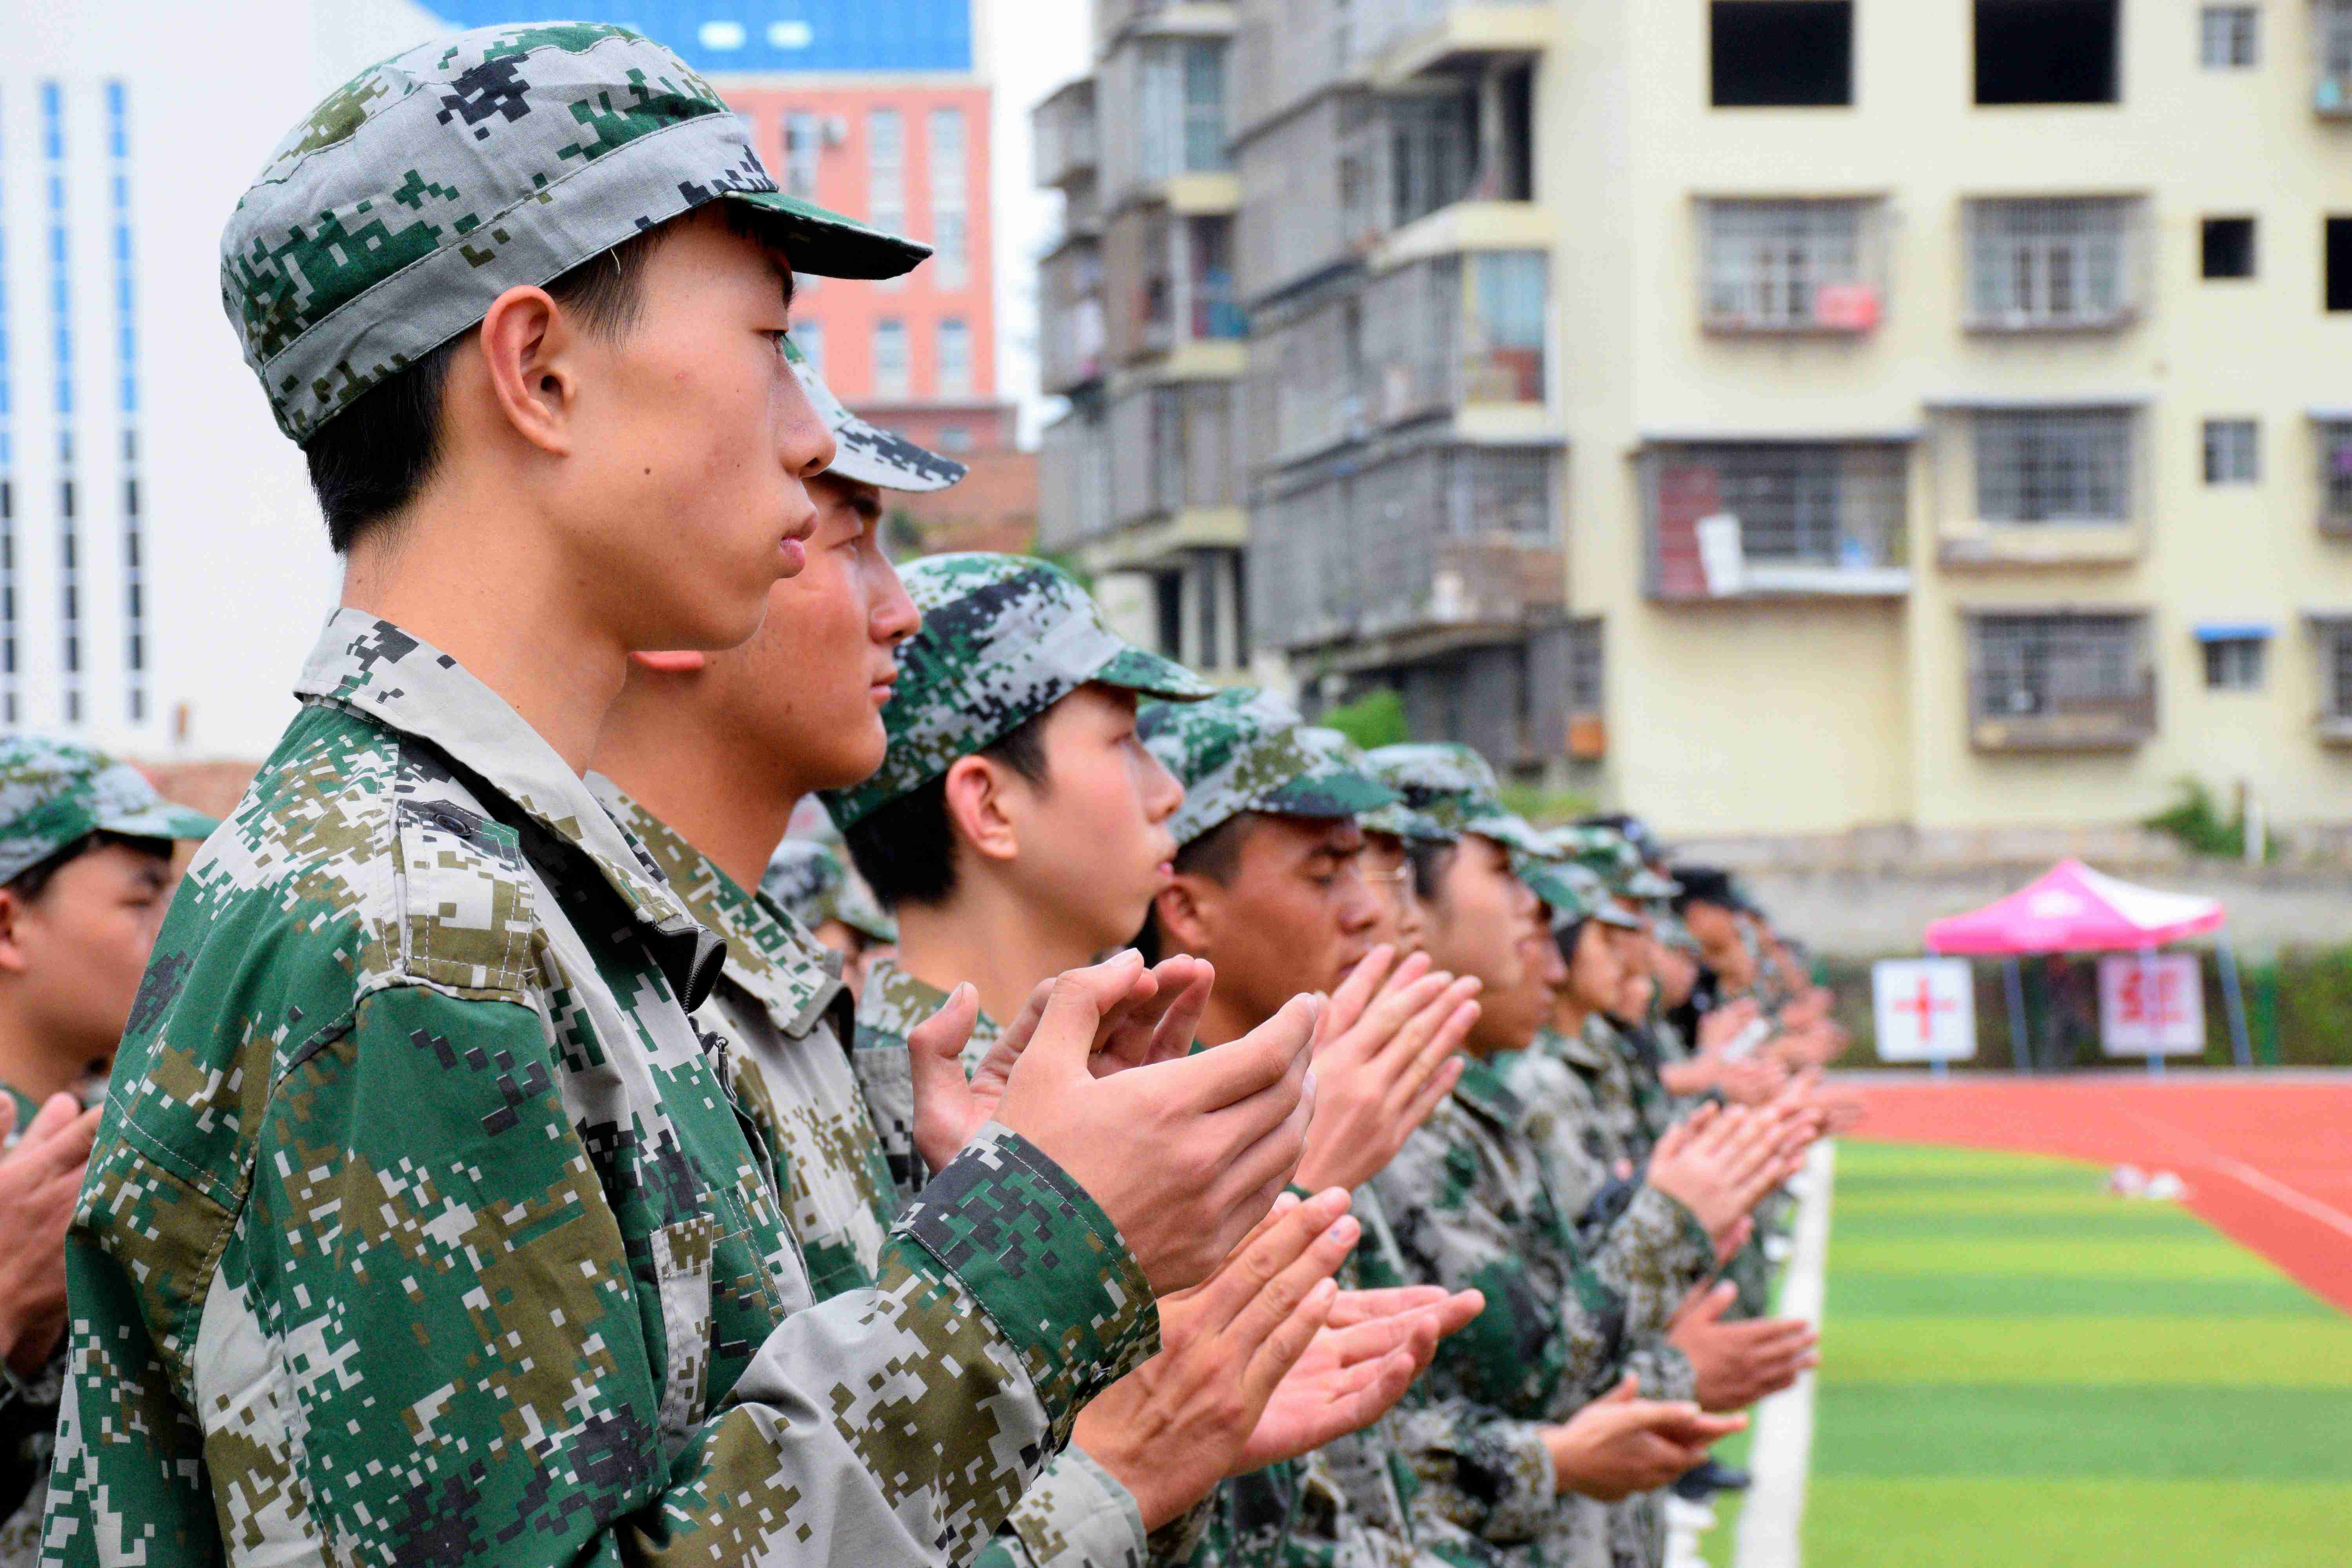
(1038, 45)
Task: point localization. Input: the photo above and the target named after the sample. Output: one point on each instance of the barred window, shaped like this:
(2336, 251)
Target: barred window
(1180, 105)
(2333, 19)
(2233, 664)
(1585, 670)
(1787, 266)
(2336, 472)
(2053, 466)
(2226, 36)
(2031, 666)
(2049, 262)
(2229, 452)
(1829, 507)
(2337, 668)
(1503, 490)
(1433, 152)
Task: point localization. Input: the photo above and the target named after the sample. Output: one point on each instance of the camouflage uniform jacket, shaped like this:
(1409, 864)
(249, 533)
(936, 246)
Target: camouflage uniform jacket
(422, 1228)
(1472, 1207)
(28, 1421)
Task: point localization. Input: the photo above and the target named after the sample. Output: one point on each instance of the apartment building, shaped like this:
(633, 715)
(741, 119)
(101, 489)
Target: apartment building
(1795, 415)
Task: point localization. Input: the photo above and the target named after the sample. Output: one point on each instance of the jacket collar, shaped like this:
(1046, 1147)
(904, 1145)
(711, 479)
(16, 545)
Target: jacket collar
(372, 669)
(1481, 1089)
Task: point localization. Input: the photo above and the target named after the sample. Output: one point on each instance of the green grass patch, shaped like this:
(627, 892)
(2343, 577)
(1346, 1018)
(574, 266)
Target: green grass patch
(2044, 1429)
(1961, 1197)
(1854, 1522)
(1859, 1159)
(2051, 1257)
(2137, 1223)
(2307, 1352)
(1996, 1296)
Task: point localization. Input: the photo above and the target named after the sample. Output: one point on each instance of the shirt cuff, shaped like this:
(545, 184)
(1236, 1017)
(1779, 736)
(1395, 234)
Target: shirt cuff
(1046, 1265)
(1077, 1515)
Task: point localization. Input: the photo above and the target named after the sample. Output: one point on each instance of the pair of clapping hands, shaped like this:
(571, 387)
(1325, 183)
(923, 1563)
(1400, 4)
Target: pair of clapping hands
(40, 1180)
(1264, 1357)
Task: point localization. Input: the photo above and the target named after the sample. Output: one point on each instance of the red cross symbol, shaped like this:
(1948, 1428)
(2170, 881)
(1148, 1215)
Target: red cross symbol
(1926, 1004)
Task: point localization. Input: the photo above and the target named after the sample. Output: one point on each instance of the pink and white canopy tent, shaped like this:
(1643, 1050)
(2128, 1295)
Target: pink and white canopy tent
(2071, 909)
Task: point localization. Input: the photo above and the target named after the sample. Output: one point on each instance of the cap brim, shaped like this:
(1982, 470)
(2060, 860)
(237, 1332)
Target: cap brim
(1132, 670)
(1609, 914)
(873, 456)
(1338, 793)
(1402, 822)
(1511, 830)
(824, 244)
(163, 820)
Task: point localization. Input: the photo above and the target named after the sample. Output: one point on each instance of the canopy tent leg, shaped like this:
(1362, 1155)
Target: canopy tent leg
(2021, 1049)
(2234, 1002)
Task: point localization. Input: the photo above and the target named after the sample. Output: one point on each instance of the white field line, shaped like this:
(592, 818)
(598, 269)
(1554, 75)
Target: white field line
(2239, 1171)
(1771, 1523)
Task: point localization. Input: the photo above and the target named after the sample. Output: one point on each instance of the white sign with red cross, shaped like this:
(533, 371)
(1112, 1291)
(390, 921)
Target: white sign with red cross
(1926, 1009)
(2151, 1005)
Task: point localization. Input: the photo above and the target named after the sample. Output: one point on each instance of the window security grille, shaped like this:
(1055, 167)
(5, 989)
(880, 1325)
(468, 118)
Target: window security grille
(2336, 666)
(2233, 664)
(1584, 667)
(2053, 466)
(2050, 665)
(1433, 152)
(1787, 266)
(2229, 452)
(2226, 36)
(2335, 473)
(2043, 262)
(1825, 508)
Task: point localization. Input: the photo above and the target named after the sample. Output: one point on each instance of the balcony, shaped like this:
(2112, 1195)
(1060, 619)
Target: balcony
(1070, 317)
(1116, 18)
(1780, 267)
(2335, 439)
(1436, 545)
(1062, 136)
(1395, 40)
(1164, 119)
(1173, 451)
(2039, 485)
(1407, 156)
(2331, 35)
(2059, 680)
(2062, 264)
(1074, 480)
(1169, 280)
(1762, 519)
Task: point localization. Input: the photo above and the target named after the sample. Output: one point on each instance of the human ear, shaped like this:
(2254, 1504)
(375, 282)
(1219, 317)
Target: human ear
(12, 957)
(529, 348)
(1185, 916)
(978, 808)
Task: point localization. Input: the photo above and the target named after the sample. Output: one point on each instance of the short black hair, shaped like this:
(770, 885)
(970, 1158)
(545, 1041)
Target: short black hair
(1216, 855)
(905, 849)
(368, 462)
(1566, 937)
(1429, 861)
(1705, 885)
(34, 881)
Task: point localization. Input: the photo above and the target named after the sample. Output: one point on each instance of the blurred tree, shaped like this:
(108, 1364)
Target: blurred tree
(1376, 719)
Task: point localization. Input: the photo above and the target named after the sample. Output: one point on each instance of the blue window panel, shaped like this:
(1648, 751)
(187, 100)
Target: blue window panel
(764, 35)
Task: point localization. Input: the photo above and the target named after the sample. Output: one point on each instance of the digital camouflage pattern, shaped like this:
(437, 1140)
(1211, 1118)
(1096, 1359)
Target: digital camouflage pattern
(809, 881)
(1616, 860)
(1455, 787)
(892, 1004)
(1247, 749)
(867, 453)
(1571, 893)
(1474, 1207)
(53, 794)
(28, 1416)
(1004, 638)
(422, 1227)
(422, 189)
(1396, 819)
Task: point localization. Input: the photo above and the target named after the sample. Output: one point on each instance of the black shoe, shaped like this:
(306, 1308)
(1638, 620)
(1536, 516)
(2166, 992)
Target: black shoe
(1699, 1484)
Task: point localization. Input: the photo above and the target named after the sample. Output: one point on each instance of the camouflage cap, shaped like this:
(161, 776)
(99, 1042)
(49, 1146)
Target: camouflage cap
(1396, 819)
(808, 880)
(867, 453)
(1247, 749)
(1452, 785)
(1616, 859)
(386, 223)
(1004, 638)
(53, 794)
(1572, 891)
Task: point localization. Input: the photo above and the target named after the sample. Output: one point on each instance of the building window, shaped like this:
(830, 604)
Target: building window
(2053, 466)
(126, 356)
(892, 377)
(2333, 22)
(1433, 152)
(2229, 455)
(1181, 107)
(1787, 267)
(2225, 35)
(2045, 262)
(8, 714)
(886, 171)
(2226, 247)
(62, 315)
(955, 358)
(2336, 674)
(1767, 54)
(803, 145)
(2335, 474)
(954, 438)
(809, 338)
(2060, 679)
(2047, 51)
(1503, 351)
(1774, 517)
(2339, 263)
(2233, 661)
(951, 237)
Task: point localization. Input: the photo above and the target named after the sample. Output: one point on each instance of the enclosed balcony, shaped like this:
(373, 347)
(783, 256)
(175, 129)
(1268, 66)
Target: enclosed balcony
(1169, 282)
(1397, 39)
(1164, 118)
(1792, 266)
(1747, 520)
(1070, 316)
(1409, 154)
(1173, 451)
(1074, 480)
(2062, 680)
(1442, 543)
(1062, 136)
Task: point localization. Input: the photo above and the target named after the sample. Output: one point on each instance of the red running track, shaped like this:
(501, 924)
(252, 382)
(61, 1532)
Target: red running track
(2269, 1162)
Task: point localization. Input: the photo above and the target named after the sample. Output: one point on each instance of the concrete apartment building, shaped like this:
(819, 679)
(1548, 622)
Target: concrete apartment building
(1780, 416)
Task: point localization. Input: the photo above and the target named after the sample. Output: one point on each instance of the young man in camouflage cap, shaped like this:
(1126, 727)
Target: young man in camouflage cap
(1527, 1404)
(421, 1226)
(85, 872)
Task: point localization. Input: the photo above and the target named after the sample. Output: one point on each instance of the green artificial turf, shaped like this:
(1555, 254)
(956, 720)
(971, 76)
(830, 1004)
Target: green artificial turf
(2020, 1368)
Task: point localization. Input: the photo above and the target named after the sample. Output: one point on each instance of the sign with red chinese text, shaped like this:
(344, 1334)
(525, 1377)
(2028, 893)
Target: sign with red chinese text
(2151, 1006)
(1926, 1009)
